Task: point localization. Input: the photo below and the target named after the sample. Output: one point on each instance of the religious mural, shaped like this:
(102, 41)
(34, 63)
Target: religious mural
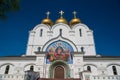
(59, 50)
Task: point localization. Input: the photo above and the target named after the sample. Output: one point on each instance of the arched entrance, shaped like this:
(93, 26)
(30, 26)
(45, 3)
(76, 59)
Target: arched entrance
(59, 72)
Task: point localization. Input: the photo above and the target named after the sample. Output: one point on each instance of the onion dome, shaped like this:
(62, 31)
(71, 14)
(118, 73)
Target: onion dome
(75, 20)
(47, 21)
(61, 19)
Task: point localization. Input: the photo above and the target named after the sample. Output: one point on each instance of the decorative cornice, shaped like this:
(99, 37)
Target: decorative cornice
(89, 58)
(18, 58)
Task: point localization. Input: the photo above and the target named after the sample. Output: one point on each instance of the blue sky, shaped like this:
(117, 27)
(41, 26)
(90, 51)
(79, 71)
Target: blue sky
(102, 16)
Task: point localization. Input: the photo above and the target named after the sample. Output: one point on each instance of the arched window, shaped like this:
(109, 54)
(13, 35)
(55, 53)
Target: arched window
(41, 32)
(80, 32)
(60, 32)
(89, 68)
(82, 49)
(114, 70)
(31, 68)
(7, 69)
(39, 48)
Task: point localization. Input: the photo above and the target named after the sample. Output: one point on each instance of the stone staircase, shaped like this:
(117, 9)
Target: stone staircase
(59, 79)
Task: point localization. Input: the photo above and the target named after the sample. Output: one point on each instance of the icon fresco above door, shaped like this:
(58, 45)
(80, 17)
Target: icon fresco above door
(59, 50)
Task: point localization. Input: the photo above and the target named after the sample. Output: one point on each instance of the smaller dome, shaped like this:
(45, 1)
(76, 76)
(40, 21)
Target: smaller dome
(61, 20)
(75, 21)
(47, 21)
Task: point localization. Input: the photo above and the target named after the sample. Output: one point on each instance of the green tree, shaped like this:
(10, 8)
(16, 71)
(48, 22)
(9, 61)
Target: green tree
(8, 6)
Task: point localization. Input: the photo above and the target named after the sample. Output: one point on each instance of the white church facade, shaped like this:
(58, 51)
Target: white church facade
(61, 51)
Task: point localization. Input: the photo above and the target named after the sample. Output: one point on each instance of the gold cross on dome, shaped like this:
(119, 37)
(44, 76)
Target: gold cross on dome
(74, 14)
(61, 13)
(48, 13)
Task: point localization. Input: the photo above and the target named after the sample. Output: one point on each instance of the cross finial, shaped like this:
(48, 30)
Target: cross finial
(61, 13)
(48, 13)
(74, 14)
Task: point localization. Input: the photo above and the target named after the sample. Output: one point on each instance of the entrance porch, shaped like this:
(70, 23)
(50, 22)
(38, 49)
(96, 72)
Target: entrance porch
(59, 70)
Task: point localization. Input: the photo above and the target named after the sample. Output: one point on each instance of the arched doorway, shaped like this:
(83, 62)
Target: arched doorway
(59, 69)
(59, 72)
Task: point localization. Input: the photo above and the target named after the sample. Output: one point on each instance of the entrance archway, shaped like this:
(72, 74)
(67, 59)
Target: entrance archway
(59, 69)
(59, 72)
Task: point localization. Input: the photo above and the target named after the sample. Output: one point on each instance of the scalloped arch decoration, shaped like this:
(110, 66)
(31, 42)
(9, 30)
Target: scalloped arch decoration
(60, 24)
(42, 25)
(113, 64)
(80, 24)
(62, 39)
(7, 64)
(90, 64)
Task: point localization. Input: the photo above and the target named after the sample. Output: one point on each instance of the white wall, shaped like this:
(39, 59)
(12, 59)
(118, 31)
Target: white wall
(110, 70)
(18, 67)
(72, 34)
(102, 67)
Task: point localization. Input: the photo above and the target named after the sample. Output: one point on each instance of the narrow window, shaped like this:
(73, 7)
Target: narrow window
(31, 68)
(7, 69)
(39, 48)
(41, 32)
(60, 32)
(114, 70)
(82, 49)
(78, 69)
(89, 68)
(80, 31)
(102, 72)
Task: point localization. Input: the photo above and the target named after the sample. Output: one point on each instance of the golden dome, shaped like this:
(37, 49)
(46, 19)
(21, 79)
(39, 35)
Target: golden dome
(47, 21)
(61, 20)
(74, 21)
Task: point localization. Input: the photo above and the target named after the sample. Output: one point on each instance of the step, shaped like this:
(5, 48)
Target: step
(59, 79)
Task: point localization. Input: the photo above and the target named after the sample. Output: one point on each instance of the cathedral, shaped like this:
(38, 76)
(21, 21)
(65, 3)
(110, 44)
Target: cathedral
(60, 50)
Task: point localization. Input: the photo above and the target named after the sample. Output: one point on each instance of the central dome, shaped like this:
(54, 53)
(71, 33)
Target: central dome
(61, 20)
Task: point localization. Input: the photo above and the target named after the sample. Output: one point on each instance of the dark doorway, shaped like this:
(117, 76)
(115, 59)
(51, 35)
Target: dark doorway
(59, 72)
